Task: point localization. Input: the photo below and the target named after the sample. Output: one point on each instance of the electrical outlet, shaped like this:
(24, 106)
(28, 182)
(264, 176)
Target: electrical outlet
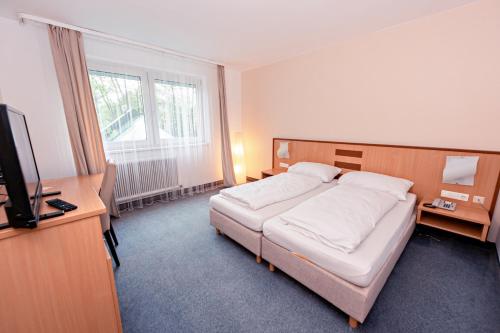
(478, 199)
(455, 195)
(284, 165)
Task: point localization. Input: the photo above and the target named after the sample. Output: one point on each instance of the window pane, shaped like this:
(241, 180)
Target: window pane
(119, 104)
(178, 112)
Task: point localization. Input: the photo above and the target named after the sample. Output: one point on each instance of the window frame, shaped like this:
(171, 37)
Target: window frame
(198, 85)
(148, 78)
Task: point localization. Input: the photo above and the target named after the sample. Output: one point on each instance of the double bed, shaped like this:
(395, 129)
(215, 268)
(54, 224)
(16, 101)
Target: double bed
(350, 280)
(340, 239)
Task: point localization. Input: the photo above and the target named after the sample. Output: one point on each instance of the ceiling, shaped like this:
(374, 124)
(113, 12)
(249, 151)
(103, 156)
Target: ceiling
(243, 33)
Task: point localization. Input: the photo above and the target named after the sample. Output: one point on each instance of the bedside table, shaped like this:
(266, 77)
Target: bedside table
(272, 172)
(466, 221)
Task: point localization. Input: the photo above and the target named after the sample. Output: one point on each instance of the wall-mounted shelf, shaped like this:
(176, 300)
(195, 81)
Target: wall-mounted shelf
(472, 222)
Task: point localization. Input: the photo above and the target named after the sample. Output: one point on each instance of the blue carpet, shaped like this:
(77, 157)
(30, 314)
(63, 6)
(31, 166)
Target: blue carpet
(177, 275)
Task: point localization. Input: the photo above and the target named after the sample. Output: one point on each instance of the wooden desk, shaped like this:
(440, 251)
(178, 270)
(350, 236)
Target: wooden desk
(58, 277)
(467, 221)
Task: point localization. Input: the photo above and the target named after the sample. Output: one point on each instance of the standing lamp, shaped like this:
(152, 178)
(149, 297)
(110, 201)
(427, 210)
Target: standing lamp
(238, 152)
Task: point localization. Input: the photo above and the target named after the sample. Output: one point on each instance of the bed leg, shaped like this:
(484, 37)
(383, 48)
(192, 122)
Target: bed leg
(271, 267)
(353, 323)
(217, 231)
(258, 259)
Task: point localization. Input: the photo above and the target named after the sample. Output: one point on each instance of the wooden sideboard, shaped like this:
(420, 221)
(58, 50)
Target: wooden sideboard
(59, 277)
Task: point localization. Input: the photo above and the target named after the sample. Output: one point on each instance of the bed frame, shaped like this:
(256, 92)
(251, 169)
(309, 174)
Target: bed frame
(250, 239)
(354, 300)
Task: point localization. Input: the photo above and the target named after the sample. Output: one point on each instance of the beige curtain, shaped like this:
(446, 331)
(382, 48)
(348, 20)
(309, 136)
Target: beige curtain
(81, 117)
(227, 158)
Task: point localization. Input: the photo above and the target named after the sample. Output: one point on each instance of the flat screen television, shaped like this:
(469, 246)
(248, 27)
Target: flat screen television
(19, 170)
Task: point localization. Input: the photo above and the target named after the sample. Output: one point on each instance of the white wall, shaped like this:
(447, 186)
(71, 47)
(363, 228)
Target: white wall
(494, 233)
(28, 82)
(433, 81)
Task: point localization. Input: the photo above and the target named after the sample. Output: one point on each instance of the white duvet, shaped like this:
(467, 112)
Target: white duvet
(341, 217)
(271, 190)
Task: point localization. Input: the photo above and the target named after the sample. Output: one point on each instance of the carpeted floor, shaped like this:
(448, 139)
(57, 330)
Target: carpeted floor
(177, 275)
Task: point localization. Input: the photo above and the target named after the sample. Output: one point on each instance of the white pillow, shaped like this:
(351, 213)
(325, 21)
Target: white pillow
(393, 185)
(324, 171)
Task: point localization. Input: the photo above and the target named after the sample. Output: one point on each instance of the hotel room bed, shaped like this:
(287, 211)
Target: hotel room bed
(350, 281)
(244, 225)
(254, 219)
(358, 267)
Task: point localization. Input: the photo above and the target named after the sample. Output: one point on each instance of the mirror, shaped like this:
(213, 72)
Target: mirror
(283, 150)
(460, 170)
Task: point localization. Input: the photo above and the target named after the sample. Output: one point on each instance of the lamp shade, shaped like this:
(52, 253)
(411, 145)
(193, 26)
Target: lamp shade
(238, 152)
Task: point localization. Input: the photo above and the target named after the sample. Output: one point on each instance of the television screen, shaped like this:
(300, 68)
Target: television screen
(19, 169)
(24, 153)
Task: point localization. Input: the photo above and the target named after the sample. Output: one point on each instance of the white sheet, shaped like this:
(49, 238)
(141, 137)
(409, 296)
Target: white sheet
(270, 190)
(254, 219)
(342, 217)
(360, 266)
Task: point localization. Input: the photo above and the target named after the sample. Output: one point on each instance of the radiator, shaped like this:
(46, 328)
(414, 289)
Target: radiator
(142, 179)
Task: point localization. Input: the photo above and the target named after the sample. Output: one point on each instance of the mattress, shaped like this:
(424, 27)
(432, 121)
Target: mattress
(254, 219)
(360, 266)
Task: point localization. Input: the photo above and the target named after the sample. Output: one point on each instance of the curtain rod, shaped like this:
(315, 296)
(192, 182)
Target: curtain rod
(23, 17)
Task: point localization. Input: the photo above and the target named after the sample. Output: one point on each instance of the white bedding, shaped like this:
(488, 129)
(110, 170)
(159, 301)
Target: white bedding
(360, 266)
(271, 190)
(342, 217)
(254, 219)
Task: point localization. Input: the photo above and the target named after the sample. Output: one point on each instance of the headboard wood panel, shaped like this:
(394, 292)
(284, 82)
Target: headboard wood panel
(422, 165)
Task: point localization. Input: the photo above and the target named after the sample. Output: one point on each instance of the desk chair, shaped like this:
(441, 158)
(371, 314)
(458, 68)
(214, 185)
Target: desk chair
(106, 195)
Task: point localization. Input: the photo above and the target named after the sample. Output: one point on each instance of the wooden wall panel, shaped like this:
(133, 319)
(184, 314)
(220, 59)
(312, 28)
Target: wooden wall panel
(422, 165)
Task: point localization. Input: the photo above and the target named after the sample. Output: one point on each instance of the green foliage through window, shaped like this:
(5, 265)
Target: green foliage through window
(142, 108)
(119, 105)
(177, 105)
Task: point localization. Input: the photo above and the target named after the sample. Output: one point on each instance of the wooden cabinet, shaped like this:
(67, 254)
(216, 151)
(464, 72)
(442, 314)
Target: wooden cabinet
(467, 221)
(272, 172)
(58, 277)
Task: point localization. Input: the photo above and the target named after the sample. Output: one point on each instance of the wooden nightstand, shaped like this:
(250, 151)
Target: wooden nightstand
(467, 221)
(271, 172)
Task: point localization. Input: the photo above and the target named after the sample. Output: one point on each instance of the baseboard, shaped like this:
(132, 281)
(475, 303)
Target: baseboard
(251, 179)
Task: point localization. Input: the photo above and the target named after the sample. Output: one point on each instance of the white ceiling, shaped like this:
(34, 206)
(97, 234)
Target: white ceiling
(244, 33)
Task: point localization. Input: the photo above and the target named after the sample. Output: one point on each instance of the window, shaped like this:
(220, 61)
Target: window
(142, 109)
(120, 108)
(176, 104)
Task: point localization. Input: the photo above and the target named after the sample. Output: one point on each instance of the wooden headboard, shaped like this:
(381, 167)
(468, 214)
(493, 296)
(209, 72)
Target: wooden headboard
(422, 165)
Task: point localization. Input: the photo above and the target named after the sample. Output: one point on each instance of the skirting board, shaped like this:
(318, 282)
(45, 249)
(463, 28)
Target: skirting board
(354, 300)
